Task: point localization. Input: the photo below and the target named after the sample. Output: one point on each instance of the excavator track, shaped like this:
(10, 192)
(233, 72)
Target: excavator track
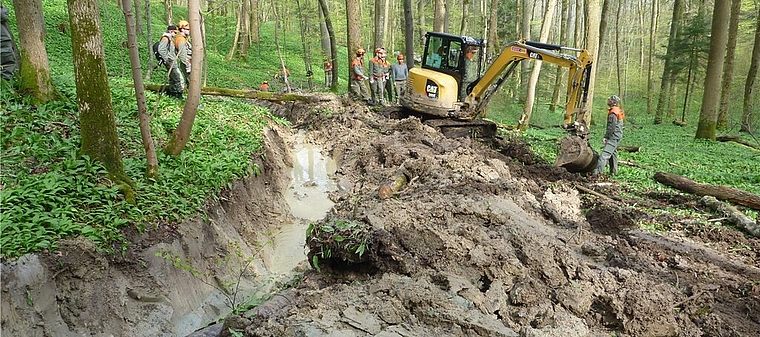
(451, 128)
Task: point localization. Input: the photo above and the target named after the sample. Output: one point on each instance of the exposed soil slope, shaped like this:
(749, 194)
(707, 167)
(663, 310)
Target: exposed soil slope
(484, 242)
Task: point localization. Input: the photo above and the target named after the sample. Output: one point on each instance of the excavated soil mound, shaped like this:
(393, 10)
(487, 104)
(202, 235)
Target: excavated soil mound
(481, 243)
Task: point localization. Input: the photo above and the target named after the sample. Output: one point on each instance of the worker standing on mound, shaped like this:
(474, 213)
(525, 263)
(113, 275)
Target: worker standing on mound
(612, 136)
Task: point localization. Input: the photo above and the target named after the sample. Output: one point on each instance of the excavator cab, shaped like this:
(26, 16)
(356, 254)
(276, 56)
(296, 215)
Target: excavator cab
(450, 63)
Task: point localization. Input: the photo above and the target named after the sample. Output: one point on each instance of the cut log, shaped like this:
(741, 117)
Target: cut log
(739, 219)
(679, 123)
(576, 155)
(253, 94)
(738, 140)
(724, 193)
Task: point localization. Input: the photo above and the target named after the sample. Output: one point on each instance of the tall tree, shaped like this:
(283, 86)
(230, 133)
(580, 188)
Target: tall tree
(409, 33)
(439, 16)
(668, 75)
(728, 65)
(353, 31)
(151, 169)
(593, 18)
(465, 17)
(650, 55)
(749, 85)
(528, 107)
(333, 45)
(149, 40)
(565, 31)
(421, 21)
(379, 33)
(245, 28)
(34, 79)
(493, 40)
(182, 134)
(96, 116)
(302, 24)
(708, 115)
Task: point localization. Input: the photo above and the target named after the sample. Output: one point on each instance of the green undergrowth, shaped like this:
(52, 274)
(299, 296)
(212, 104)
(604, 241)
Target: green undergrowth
(49, 191)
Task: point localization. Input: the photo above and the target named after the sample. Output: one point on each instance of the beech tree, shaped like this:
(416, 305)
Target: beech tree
(749, 85)
(668, 75)
(96, 115)
(151, 169)
(708, 115)
(728, 65)
(34, 74)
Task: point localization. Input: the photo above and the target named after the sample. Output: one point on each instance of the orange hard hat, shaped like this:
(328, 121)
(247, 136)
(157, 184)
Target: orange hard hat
(360, 51)
(182, 24)
(400, 57)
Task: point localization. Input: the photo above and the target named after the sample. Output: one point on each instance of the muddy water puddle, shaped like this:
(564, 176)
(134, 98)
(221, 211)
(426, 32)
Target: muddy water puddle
(307, 196)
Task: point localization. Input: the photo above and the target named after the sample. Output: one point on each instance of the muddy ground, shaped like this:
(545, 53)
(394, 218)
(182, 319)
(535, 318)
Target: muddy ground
(486, 241)
(482, 240)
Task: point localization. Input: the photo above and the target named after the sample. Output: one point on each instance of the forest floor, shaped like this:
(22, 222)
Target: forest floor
(482, 240)
(485, 241)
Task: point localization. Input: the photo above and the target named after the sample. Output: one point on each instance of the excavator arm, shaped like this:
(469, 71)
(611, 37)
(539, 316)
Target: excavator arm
(481, 91)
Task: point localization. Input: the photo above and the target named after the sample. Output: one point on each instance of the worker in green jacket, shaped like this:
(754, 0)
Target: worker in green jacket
(612, 136)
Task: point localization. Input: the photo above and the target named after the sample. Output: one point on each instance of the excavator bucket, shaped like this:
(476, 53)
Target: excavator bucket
(576, 155)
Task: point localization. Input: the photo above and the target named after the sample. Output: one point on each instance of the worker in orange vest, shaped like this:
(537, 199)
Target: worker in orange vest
(358, 86)
(612, 136)
(264, 86)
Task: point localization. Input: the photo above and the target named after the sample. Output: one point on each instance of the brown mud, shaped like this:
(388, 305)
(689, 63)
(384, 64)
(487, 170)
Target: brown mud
(483, 240)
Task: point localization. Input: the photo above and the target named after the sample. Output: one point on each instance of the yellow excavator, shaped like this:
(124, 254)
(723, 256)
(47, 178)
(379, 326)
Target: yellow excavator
(452, 86)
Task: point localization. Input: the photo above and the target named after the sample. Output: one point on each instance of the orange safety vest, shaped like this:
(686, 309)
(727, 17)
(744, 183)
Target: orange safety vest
(356, 62)
(177, 39)
(618, 112)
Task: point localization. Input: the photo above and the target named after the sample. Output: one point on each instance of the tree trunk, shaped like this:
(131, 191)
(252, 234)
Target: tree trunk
(333, 46)
(666, 84)
(96, 116)
(564, 36)
(283, 68)
(409, 33)
(236, 38)
(138, 18)
(708, 116)
(465, 17)
(245, 28)
(493, 39)
(34, 79)
(724, 193)
(749, 85)
(378, 36)
(303, 23)
(168, 12)
(151, 169)
(254, 33)
(728, 66)
(576, 155)
(421, 21)
(531, 95)
(439, 16)
(592, 40)
(324, 36)
(353, 32)
(650, 56)
(182, 134)
(149, 40)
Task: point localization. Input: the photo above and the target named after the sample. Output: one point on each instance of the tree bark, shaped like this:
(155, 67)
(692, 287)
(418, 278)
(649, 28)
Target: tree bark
(724, 193)
(650, 56)
(353, 33)
(728, 66)
(151, 169)
(749, 85)
(96, 116)
(182, 134)
(302, 24)
(409, 33)
(379, 22)
(439, 13)
(149, 40)
(283, 68)
(708, 116)
(493, 39)
(564, 35)
(34, 79)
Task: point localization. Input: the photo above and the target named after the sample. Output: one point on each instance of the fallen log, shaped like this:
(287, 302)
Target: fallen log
(724, 193)
(252, 94)
(738, 140)
(739, 219)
